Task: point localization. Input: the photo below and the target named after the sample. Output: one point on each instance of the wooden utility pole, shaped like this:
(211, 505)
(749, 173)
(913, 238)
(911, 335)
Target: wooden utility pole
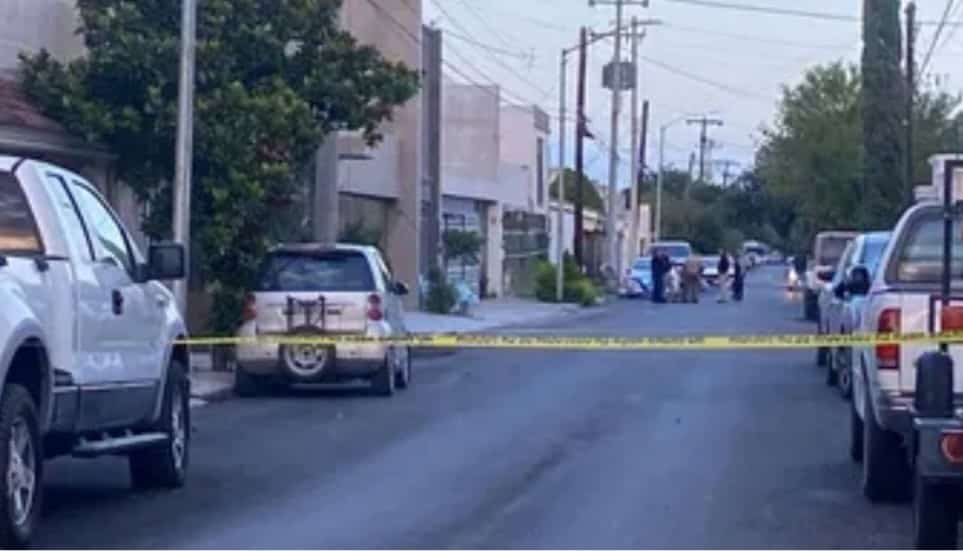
(910, 97)
(704, 122)
(580, 131)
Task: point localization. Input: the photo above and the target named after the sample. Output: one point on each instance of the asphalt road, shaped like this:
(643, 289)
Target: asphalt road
(519, 449)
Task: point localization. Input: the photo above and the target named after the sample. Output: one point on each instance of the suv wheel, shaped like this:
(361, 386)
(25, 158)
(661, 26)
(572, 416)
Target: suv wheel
(810, 306)
(165, 465)
(21, 467)
(935, 515)
(886, 470)
(831, 361)
(403, 377)
(844, 372)
(383, 382)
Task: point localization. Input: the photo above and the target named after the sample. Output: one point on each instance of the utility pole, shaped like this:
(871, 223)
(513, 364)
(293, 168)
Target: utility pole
(910, 97)
(726, 164)
(634, 190)
(184, 156)
(704, 122)
(432, 53)
(614, 258)
(580, 132)
(638, 172)
(560, 201)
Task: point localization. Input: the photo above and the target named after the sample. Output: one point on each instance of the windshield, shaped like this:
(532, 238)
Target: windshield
(299, 272)
(675, 251)
(642, 264)
(18, 230)
(831, 250)
(872, 253)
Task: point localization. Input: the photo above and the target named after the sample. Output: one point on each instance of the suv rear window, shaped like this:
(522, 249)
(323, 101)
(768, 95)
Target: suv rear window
(919, 256)
(18, 229)
(336, 271)
(831, 250)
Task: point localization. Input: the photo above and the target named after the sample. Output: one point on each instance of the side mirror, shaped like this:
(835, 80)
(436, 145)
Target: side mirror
(399, 288)
(840, 290)
(166, 261)
(858, 281)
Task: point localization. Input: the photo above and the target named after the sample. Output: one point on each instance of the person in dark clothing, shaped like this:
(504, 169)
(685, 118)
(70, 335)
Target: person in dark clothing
(723, 277)
(738, 277)
(658, 276)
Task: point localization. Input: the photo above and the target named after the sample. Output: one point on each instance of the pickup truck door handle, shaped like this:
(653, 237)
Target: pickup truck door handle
(117, 301)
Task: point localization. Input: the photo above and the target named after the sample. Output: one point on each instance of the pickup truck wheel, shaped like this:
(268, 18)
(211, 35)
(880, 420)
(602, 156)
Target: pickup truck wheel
(165, 465)
(855, 434)
(21, 467)
(831, 374)
(886, 470)
(935, 515)
(844, 372)
(383, 382)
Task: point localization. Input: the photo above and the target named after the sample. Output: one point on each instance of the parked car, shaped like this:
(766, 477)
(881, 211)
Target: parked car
(89, 357)
(639, 279)
(838, 307)
(678, 251)
(310, 289)
(828, 248)
(710, 270)
(899, 299)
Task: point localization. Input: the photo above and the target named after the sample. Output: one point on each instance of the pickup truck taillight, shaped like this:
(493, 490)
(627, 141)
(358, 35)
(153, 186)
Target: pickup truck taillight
(374, 308)
(887, 355)
(951, 319)
(249, 312)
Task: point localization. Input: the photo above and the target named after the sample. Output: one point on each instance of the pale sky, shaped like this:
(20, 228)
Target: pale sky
(744, 57)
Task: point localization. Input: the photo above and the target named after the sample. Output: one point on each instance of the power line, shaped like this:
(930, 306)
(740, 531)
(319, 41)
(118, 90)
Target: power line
(494, 32)
(691, 76)
(497, 60)
(750, 38)
(936, 35)
(792, 12)
(953, 28)
(487, 47)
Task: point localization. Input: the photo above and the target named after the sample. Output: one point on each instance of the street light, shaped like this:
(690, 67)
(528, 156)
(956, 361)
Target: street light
(658, 184)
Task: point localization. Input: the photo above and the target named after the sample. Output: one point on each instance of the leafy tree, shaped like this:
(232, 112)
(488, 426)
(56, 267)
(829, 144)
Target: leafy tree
(883, 196)
(273, 79)
(590, 194)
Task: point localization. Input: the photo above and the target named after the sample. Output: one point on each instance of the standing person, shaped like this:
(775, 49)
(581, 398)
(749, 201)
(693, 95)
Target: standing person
(723, 268)
(658, 277)
(738, 277)
(692, 279)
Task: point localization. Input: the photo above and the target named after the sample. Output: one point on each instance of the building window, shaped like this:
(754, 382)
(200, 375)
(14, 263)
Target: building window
(540, 171)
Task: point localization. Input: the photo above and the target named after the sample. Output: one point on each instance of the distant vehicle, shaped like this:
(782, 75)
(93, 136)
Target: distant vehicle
(639, 278)
(754, 252)
(837, 307)
(678, 251)
(710, 270)
(828, 248)
(310, 289)
(91, 360)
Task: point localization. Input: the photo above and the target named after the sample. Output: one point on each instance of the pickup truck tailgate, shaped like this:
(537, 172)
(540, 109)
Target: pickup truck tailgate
(915, 312)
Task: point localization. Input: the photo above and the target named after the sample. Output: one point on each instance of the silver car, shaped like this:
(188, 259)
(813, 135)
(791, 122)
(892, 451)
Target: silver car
(307, 290)
(838, 307)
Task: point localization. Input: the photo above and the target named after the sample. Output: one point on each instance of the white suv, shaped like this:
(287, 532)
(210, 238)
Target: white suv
(310, 289)
(900, 297)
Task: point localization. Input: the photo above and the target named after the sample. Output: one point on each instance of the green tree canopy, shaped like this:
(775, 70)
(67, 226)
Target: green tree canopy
(273, 78)
(590, 193)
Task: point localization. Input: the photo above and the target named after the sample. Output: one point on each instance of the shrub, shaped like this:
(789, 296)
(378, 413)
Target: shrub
(578, 288)
(441, 294)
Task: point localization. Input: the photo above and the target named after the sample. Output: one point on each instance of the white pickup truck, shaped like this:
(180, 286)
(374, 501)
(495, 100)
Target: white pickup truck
(90, 360)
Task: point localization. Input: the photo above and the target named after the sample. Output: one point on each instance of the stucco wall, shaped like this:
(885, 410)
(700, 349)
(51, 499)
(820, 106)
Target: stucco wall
(470, 141)
(34, 24)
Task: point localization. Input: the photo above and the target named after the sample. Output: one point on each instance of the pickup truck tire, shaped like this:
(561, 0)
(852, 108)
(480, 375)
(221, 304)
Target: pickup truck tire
(886, 469)
(165, 465)
(19, 430)
(935, 515)
(844, 372)
(855, 434)
(832, 376)
(383, 382)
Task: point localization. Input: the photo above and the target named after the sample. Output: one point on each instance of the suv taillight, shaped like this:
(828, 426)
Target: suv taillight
(887, 355)
(374, 308)
(249, 312)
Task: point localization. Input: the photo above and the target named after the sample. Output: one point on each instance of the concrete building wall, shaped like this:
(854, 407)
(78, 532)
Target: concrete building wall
(470, 141)
(525, 134)
(374, 176)
(32, 25)
(394, 28)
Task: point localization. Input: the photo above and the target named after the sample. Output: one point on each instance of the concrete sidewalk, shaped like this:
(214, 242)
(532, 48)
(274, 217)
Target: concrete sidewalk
(208, 385)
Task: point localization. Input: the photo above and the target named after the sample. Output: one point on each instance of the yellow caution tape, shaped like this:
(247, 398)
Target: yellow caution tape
(547, 342)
